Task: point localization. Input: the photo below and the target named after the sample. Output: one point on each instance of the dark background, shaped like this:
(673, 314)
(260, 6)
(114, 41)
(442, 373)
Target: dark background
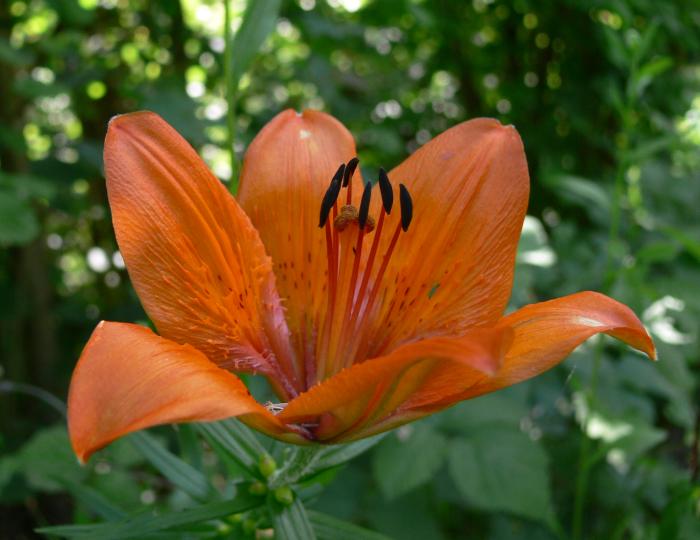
(606, 96)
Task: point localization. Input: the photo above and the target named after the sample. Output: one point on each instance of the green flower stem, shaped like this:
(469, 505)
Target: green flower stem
(610, 274)
(34, 391)
(584, 461)
(297, 464)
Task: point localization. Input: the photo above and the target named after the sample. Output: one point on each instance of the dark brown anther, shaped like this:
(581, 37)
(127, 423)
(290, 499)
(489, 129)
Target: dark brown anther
(386, 191)
(406, 207)
(364, 205)
(331, 195)
(349, 171)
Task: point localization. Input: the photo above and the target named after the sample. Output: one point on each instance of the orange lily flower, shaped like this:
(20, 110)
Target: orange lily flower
(383, 314)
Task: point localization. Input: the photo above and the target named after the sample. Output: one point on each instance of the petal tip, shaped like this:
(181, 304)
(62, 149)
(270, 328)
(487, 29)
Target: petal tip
(82, 457)
(119, 120)
(650, 349)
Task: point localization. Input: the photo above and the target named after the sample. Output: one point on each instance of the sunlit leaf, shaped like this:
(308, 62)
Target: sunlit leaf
(258, 21)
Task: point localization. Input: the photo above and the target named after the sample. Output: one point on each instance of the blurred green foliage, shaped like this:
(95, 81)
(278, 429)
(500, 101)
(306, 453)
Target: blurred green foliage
(606, 95)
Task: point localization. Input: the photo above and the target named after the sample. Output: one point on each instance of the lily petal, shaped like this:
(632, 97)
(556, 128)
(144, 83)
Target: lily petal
(453, 269)
(196, 261)
(286, 171)
(350, 404)
(544, 334)
(128, 379)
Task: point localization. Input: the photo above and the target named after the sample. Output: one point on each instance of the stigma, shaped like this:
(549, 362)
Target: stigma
(355, 276)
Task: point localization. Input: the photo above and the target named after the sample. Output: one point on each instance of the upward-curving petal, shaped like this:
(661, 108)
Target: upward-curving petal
(286, 171)
(544, 334)
(129, 379)
(196, 261)
(453, 268)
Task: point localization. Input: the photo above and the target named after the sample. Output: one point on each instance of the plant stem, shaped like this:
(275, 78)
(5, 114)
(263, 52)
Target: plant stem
(610, 271)
(230, 95)
(34, 391)
(584, 462)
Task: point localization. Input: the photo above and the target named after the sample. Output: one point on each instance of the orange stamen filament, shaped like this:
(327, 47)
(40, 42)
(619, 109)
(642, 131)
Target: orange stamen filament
(351, 299)
(332, 256)
(352, 290)
(360, 323)
(370, 262)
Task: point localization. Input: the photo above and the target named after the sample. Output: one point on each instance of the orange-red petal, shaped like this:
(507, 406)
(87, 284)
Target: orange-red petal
(286, 171)
(453, 269)
(128, 379)
(544, 334)
(196, 261)
(352, 403)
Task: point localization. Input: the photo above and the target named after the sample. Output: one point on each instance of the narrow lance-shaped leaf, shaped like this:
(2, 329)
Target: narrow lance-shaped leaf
(339, 454)
(292, 522)
(258, 21)
(330, 528)
(237, 439)
(179, 472)
(141, 525)
(93, 500)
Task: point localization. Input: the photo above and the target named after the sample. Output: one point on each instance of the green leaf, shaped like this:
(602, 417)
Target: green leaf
(691, 244)
(8, 468)
(498, 469)
(504, 408)
(333, 456)
(330, 528)
(583, 192)
(638, 441)
(411, 516)
(648, 72)
(292, 522)
(189, 444)
(14, 55)
(27, 186)
(655, 252)
(93, 500)
(47, 459)
(18, 224)
(308, 462)
(303, 463)
(408, 459)
(645, 150)
(258, 21)
(179, 472)
(236, 439)
(143, 524)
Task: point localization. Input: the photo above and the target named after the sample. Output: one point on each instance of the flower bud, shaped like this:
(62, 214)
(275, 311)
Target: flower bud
(267, 465)
(284, 495)
(257, 488)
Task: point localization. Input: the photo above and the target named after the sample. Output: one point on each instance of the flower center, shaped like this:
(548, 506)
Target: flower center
(354, 278)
